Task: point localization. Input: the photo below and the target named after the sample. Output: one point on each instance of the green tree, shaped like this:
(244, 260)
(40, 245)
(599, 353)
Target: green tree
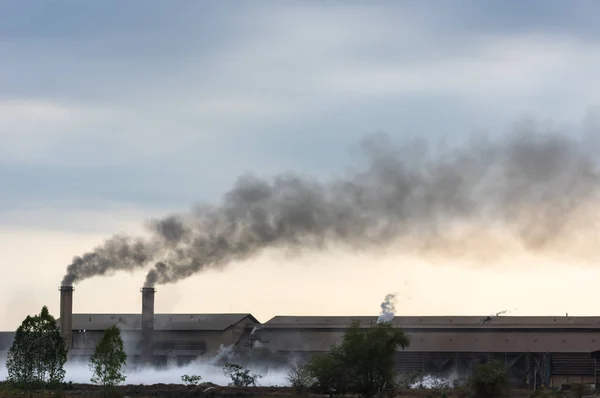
(489, 380)
(362, 363)
(108, 360)
(38, 353)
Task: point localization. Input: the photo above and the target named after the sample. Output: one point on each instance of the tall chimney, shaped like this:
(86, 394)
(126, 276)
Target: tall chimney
(147, 324)
(66, 314)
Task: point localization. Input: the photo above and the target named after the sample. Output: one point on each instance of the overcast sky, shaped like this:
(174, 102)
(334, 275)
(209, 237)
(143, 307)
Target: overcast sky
(113, 111)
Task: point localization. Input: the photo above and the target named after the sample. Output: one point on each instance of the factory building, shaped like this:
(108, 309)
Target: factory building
(176, 338)
(537, 351)
(156, 339)
(549, 351)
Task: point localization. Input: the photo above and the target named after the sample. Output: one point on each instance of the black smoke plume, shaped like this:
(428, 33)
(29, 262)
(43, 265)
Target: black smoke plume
(531, 184)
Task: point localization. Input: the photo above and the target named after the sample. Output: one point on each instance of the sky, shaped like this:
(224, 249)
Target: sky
(113, 112)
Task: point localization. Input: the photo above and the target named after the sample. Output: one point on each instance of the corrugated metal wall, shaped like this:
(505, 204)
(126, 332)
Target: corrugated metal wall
(579, 364)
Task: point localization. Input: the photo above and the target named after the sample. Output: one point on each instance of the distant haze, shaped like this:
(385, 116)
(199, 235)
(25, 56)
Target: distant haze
(536, 190)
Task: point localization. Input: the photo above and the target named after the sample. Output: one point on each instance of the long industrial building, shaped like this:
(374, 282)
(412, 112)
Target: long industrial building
(537, 351)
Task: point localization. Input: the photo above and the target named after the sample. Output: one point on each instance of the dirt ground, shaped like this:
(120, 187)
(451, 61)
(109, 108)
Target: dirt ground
(213, 391)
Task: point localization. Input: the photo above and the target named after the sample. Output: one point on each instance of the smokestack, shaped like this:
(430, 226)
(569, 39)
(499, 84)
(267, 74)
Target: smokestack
(66, 314)
(147, 323)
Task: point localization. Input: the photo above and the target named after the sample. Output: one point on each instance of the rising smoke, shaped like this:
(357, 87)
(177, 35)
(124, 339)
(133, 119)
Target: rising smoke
(388, 308)
(537, 188)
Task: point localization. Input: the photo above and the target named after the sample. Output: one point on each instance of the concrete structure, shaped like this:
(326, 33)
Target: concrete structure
(147, 323)
(537, 350)
(66, 312)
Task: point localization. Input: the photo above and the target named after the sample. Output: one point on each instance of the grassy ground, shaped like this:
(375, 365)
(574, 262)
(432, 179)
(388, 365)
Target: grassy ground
(212, 391)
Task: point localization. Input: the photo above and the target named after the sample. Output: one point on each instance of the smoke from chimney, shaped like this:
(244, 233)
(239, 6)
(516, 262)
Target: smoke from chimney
(388, 309)
(538, 188)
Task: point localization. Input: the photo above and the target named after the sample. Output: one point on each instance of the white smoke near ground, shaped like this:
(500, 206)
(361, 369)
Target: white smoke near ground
(209, 369)
(435, 382)
(388, 308)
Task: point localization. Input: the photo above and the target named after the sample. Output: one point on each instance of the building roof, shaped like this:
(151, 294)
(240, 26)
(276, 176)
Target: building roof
(435, 322)
(215, 322)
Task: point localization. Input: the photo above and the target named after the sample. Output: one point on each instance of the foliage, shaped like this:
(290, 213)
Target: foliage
(240, 377)
(489, 381)
(191, 380)
(362, 363)
(108, 359)
(578, 390)
(329, 374)
(299, 379)
(37, 356)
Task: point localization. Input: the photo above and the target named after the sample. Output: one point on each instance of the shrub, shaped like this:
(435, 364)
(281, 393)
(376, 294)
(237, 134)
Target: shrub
(489, 381)
(299, 379)
(578, 390)
(240, 377)
(191, 380)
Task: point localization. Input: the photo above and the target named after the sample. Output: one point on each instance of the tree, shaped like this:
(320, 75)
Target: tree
(38, 353)
(489, 380)
(108, 359)
(362, 363)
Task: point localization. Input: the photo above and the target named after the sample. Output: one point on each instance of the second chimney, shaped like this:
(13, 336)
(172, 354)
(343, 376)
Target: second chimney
(147, 324)
(66, 314)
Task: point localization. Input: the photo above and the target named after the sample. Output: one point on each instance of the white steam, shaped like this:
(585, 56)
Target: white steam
(388, 309)
(208, 368)
(435, 382)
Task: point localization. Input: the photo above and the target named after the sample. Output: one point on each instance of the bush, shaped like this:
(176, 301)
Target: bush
(299, 379)
(489, 381)
(192, 380)
(329, 374)
(363, 363)
(240, 377)
(578, 390)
